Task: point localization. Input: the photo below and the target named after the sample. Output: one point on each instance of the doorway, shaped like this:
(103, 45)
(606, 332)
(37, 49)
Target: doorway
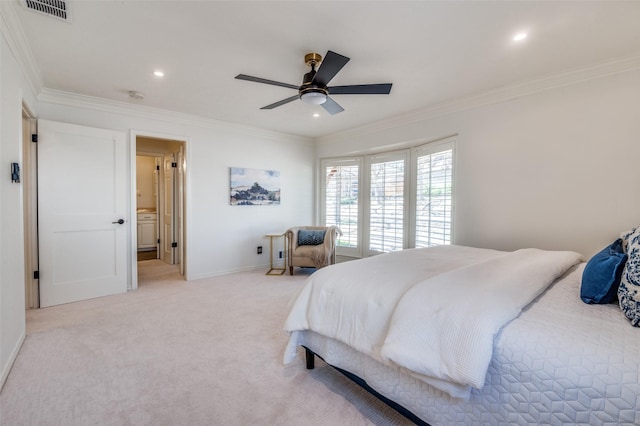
(173, 150)
(30, 203)
(159, 205)
(148, 205)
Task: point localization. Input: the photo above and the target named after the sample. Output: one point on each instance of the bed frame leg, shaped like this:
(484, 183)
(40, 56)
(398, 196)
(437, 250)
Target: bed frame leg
(310, 357)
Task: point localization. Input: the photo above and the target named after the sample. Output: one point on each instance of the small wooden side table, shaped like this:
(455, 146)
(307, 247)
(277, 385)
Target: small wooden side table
(276, 270)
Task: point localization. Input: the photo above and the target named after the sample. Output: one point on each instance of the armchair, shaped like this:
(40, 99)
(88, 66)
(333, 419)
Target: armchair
(312, 246)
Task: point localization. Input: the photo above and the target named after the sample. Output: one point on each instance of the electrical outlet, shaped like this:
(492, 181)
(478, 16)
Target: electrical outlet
(280, 254)
(259, 249)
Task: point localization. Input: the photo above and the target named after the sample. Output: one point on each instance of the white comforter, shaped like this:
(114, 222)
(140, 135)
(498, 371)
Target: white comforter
(434, 312)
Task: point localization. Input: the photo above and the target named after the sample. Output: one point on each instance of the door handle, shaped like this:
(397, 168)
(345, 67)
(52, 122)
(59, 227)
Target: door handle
(120, 221)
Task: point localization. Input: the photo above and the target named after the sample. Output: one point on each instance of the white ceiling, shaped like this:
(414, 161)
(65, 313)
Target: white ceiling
(432, 52)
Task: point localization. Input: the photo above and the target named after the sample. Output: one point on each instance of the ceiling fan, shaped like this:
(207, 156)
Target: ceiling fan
(314, 89)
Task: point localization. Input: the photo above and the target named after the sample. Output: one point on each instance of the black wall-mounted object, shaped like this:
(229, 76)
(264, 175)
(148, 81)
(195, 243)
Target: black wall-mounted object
(15, 173)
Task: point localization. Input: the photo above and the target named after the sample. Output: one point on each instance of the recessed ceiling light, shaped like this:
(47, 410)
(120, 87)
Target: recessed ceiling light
(316, 115)
(519, 36)
(158, 73)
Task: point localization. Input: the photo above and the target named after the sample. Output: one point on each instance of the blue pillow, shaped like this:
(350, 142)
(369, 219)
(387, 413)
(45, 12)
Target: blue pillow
(601, 276)
(310, 237)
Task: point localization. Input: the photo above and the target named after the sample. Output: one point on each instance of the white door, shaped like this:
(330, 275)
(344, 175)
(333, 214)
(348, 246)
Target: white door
(82, 196)
(168, 234)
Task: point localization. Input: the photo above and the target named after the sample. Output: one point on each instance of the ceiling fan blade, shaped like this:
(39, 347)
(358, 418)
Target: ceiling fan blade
(329, 67)
(265, 81)
(280, 103)
(332, 106)
(361, 89)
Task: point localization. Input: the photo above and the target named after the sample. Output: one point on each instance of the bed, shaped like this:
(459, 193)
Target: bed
(442, 333)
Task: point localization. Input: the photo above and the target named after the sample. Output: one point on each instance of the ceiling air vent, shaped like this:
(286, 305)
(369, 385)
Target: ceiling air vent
(57, 8)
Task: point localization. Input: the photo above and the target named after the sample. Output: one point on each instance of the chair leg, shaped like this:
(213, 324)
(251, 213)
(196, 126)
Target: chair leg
(290, 270)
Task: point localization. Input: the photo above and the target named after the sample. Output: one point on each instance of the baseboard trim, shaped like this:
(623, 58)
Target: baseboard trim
(342, 258)
(233, 271)
(6, 369)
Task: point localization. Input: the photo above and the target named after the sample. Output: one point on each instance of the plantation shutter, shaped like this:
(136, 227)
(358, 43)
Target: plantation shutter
(341, 200)
(434, 186)
(387, 203)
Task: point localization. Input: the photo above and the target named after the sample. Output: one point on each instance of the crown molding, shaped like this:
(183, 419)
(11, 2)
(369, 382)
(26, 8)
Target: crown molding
(13, 33)
(16, 39)
(552, 81)
(69, 99)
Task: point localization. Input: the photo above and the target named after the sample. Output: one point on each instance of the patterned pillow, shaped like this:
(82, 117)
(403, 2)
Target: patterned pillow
(624, 237)
(310, 237)
(629, 290)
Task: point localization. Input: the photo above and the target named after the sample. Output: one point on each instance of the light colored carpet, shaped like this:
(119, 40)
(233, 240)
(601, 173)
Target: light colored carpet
(205, 352)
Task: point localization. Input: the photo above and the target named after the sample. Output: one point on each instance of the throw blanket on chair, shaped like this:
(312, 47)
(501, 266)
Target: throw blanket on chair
(322, 253)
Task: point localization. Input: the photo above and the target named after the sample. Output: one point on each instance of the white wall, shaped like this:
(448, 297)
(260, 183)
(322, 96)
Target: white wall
(12, 304)
(145, 187)
(557, 169)
(220, 238)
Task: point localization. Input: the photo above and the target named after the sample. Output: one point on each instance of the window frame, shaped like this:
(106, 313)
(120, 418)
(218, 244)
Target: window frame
(430, 148)
(370, 160)
(336, 162)
(364, 162)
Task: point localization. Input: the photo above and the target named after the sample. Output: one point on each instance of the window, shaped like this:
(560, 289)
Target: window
(387, 202)
(434, 167)
(398, 200)
(341, 202)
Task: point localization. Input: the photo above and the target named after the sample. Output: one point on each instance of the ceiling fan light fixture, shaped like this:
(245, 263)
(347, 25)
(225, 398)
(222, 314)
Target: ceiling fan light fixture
(313, 96)
(315, 88)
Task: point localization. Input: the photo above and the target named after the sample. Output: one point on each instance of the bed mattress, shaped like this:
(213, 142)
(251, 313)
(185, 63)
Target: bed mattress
(560, 362)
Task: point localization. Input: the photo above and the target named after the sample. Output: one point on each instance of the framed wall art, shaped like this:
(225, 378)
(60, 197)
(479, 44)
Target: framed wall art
(254, 187)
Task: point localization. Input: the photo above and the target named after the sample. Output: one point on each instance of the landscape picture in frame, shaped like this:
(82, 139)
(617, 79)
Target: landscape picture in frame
(254, 187)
